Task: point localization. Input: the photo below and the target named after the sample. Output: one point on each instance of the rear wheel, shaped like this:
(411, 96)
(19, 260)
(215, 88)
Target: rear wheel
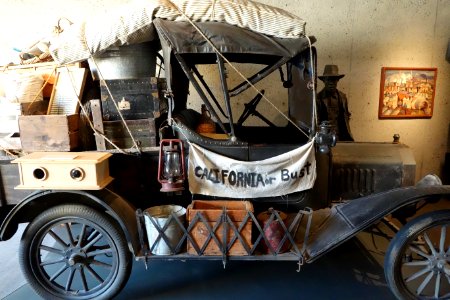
(74, 252)
(417, 262)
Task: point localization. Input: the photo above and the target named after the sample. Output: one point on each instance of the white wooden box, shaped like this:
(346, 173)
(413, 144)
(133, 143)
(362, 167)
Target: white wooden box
(64, 170)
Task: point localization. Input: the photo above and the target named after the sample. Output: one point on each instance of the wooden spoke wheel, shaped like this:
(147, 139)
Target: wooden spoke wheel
(74, 252)
(417, 263)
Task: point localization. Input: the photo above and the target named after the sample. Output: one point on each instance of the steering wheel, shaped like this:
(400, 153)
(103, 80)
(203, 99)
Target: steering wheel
(250, 108)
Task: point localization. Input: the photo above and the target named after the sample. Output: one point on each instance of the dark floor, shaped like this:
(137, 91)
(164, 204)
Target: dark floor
(351, 271)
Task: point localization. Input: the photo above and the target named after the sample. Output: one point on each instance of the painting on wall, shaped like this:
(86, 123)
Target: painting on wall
(407, 93)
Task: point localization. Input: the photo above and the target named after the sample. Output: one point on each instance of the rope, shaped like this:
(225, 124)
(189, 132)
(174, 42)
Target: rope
(41, 89)
(96, 132)
(135, 145)
(239, 73)
(313, 76)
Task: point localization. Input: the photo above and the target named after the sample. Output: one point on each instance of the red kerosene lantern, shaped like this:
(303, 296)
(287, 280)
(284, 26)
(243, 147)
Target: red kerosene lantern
(171, 173)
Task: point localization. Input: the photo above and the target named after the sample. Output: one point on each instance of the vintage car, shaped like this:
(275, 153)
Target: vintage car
(234, 192)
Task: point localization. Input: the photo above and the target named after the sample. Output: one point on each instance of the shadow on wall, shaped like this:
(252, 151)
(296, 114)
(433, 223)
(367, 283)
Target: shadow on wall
(446, 169)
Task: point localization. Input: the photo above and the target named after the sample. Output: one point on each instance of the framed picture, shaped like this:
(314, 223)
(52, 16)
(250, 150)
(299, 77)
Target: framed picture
(407, 93)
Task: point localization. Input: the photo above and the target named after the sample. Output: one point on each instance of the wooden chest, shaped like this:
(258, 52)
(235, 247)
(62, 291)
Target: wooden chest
(49, 132)
(135, 98)
(213, 213)
(64, 170)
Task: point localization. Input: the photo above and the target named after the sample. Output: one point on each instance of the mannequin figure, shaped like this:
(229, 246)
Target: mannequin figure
(332, 104)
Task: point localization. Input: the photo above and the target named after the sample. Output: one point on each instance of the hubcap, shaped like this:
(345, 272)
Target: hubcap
(76, 256)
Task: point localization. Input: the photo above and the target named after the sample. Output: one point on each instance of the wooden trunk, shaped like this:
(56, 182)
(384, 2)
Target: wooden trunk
(212, 211)
(49, 132)
(135, 98)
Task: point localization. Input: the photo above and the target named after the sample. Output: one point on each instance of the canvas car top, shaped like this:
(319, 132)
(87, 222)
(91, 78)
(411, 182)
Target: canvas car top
(185, 38)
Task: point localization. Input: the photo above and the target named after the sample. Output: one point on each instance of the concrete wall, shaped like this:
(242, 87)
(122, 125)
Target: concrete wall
(360, 36)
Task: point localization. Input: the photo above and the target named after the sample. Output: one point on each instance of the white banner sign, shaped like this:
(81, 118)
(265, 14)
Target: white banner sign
(217, 175)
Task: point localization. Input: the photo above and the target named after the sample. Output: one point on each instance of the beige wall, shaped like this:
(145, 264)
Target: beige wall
(360, 36)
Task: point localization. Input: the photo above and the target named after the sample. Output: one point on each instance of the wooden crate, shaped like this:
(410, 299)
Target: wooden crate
(64, 170)
(49, 132)
(212, 211)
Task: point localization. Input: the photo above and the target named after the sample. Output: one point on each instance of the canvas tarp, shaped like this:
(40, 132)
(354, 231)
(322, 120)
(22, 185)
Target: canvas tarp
(134, 24)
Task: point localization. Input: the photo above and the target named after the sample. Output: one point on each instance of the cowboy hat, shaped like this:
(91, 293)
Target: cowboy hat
(331, 71)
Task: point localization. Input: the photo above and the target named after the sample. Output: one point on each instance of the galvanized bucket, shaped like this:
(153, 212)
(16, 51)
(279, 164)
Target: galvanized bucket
(160, 216)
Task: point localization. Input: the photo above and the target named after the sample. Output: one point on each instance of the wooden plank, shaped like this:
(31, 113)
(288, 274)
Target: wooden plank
(211, 210)
(97, 119)
(44, 65)
(73, 122)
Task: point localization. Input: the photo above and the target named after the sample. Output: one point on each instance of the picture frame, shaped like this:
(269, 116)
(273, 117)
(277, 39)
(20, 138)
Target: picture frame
(407, 93)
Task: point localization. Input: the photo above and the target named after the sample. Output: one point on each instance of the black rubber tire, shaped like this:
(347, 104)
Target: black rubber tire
(399, 259)
(86, 275)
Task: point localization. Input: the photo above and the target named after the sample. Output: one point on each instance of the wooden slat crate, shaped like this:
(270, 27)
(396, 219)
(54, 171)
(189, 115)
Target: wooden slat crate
(49, 132)
(212, 211)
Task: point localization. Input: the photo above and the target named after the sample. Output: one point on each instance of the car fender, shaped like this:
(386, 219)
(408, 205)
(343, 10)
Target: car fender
(348, 219)
(103, 200)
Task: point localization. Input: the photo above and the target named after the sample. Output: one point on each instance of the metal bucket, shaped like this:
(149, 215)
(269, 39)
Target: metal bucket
(160, 215)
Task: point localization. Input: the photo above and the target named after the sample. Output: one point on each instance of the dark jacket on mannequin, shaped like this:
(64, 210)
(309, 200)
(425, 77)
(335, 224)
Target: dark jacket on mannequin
(324, 99)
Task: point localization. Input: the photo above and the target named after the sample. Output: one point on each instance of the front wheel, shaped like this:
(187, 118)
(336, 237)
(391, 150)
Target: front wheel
(74, 252)
(417, 262)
